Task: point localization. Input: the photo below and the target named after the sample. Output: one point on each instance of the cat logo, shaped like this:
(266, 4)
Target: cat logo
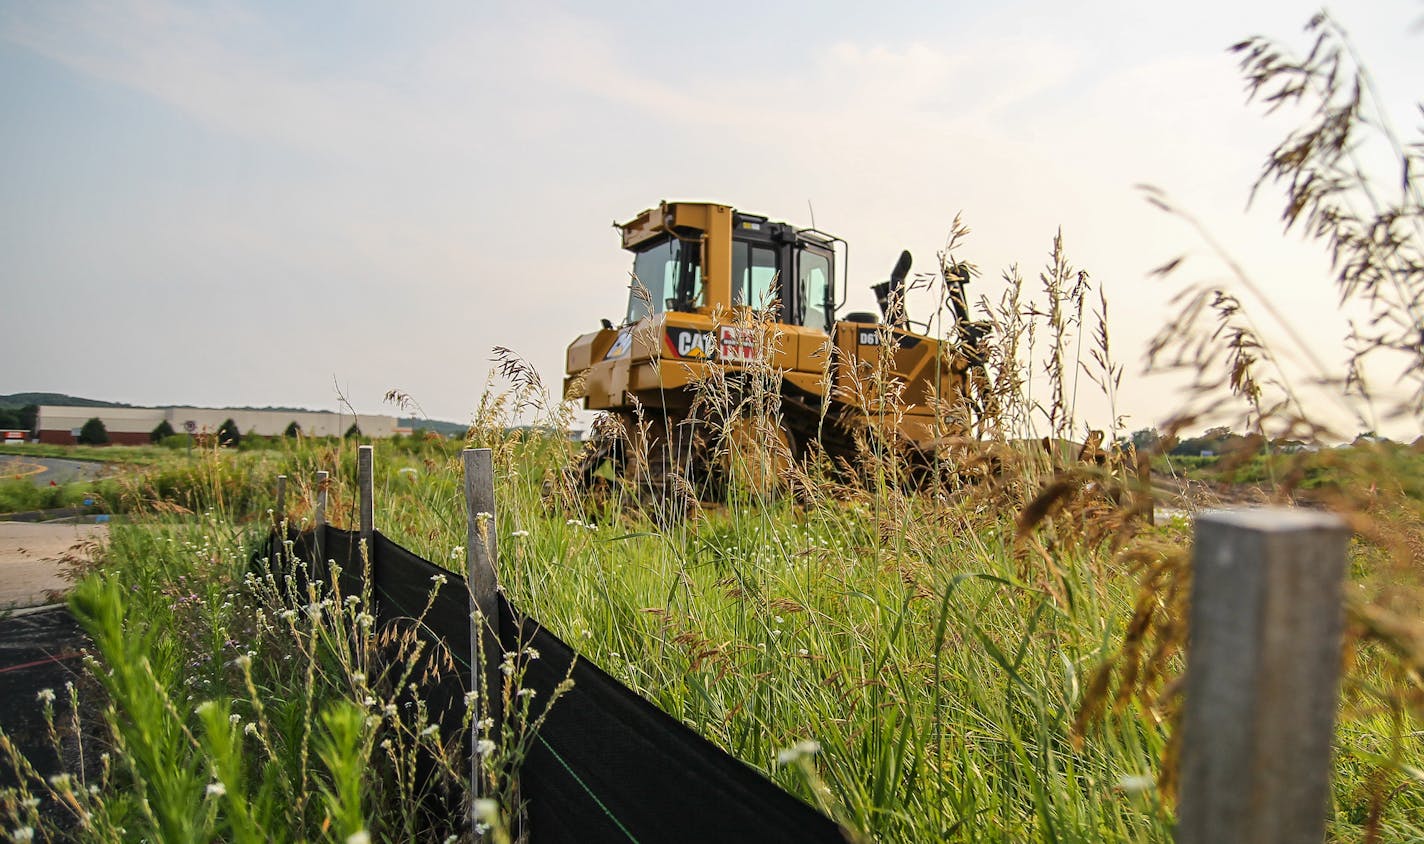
(689, 343)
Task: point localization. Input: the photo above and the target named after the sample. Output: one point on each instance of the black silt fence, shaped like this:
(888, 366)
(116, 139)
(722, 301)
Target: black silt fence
(605, 765)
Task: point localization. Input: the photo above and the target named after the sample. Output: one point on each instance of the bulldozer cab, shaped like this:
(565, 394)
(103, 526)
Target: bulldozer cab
(704, 258)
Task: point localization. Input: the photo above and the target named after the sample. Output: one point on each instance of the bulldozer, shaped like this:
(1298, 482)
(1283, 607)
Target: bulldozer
(733, 359)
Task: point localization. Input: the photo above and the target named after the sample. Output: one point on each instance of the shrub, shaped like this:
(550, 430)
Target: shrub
(93, 432)
(161, 432)
(354, 432)
(293, 430)
(228, 435)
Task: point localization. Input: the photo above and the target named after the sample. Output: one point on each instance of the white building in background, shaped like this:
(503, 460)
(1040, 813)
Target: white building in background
(60, 424)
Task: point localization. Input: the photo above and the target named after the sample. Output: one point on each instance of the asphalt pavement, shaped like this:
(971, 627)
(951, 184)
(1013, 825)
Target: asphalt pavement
(40, 654)
(44, 470)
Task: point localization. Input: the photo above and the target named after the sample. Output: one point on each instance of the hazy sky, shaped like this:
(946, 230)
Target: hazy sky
(245, 203)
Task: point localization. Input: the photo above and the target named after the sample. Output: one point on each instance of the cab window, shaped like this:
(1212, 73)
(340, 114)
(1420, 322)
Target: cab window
(671, 273)
(755, 270)
(813, 287)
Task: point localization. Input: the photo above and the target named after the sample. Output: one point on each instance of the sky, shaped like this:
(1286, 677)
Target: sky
(291, 203)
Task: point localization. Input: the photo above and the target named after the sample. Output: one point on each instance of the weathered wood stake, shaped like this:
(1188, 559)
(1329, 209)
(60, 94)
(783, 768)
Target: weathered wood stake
(1263, 673)
(481, 556)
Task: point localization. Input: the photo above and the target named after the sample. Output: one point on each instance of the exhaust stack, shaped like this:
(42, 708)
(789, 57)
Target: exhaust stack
(891, 294)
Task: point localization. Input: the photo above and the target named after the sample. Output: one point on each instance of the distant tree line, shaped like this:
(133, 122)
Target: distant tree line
(19, 418)
(1221, 440)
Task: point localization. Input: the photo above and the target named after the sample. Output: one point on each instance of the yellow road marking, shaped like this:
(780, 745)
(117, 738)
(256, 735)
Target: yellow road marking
(22, 469)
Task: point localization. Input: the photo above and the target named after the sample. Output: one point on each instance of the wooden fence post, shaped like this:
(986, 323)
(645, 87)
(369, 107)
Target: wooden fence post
(481, 554)
(365, 482)
(319, 519)
(1263, 673)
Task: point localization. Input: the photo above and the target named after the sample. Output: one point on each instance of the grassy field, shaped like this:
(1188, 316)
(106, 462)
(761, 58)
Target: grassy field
(944, 664)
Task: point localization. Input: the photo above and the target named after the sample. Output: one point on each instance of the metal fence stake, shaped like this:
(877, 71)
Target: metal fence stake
(365, 483)
(319, 519)
(483, 579)
(279, 512)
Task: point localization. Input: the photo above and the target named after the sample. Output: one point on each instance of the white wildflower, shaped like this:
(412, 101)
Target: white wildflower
(45, 696)
(30, 802)
(1136, 783)
(457, 552)
(531, 653)
(520, 533)
(439, 579)
(24, 834)
(797, 751)
(433, 729)
(484, 747)
(525, 693)
(362, 837)
(216, 789)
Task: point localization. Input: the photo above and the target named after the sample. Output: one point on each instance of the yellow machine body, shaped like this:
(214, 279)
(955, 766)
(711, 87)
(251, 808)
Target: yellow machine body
(717, 288)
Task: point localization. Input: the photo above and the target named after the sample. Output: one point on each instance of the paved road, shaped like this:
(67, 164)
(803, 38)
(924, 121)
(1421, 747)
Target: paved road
(43, 470)
(41, 651)
(30, 559)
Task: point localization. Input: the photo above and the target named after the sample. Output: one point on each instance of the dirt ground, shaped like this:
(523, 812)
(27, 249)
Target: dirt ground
(30, 560)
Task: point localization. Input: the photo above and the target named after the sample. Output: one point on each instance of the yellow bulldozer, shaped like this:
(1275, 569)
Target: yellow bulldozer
(733, 359)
